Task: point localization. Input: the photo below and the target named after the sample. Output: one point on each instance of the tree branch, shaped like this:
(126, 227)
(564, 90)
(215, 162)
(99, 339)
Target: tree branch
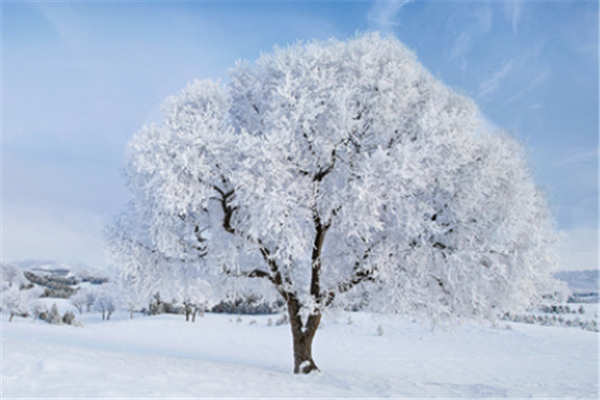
(256, 273)
(360, 275)
(228, 210)
(275, 275)
(203, 251)
(316, 263)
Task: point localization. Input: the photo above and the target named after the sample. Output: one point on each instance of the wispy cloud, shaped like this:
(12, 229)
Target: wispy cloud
(382, 15)
(460, 49)
(513, 10)
(484, 18)
(492, 84)
(538, 80)
(583, 156)
(582, 36)
(64, 20)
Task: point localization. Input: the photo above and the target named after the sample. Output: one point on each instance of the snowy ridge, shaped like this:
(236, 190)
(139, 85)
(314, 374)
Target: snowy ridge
(59, 268)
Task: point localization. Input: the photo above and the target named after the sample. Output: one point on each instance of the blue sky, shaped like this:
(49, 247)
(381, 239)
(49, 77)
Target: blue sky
(80, 78)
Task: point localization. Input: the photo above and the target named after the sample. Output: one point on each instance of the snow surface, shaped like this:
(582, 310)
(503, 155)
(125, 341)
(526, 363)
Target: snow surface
(166, 357)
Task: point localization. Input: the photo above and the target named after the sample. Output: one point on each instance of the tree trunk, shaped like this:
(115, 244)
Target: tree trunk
(303, 335)
(12, 315)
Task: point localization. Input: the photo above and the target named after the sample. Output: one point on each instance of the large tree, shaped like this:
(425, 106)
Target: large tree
(335, 168)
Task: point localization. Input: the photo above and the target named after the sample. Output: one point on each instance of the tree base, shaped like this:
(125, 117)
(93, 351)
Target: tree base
(306, 367)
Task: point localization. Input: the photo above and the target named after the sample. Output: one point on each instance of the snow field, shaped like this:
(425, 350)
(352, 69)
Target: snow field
(165, 357)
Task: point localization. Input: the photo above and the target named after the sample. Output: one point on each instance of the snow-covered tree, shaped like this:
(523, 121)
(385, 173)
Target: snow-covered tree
(79, 300)
(131, 297)
(195, 295)
(12, 275)
(335, 168)
(145, 269)
(53, 316)
(18, 295)
(105, 302)
(18, 301)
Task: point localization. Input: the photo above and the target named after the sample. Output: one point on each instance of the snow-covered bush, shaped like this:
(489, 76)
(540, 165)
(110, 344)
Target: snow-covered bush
(69, 318)
(158, 306)
(52, 316)
(333, 170)
(18, 301)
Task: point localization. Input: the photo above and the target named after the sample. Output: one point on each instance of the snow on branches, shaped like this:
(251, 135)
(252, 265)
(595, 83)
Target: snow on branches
(337, 171)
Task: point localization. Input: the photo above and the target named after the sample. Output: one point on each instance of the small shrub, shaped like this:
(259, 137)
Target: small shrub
(282, 320)
(53, 317)
(68, 318)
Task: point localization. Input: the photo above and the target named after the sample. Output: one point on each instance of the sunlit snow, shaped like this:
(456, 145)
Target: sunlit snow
(226, 356)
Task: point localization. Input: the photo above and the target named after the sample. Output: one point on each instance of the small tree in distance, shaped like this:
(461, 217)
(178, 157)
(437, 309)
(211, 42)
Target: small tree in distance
(79, 300)
(105, 302)
(334, 168)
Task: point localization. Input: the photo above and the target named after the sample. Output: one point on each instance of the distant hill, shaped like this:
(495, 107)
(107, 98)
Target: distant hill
(59, 279)
(580, 281)
(583, 285)
(61, 269)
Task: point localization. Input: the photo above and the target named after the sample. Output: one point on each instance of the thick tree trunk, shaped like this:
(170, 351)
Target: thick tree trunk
(303, 335)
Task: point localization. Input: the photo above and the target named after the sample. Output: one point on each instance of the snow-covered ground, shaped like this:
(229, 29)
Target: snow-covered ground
(221, 356)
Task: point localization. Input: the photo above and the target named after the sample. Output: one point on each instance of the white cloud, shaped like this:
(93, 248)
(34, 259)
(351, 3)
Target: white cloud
(382, 15)
(492, 84)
